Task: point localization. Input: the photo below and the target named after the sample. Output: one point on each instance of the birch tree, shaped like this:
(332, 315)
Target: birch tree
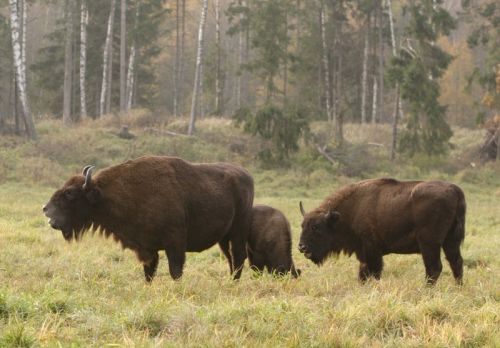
(84, 17)
(176, 61)
(68, 63)
(326, 68)
(123, 59)
(218, 77)
(240, 62)
(199, 59)
(364, 78)
(129, 89)
(106, 58)
(20, 68)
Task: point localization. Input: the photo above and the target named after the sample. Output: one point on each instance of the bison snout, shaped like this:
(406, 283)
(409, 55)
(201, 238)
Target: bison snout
(44, 208)
(302, 248)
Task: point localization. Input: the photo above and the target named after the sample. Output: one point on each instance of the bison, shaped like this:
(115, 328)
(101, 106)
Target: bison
(158, 203)
(270, 242)
(377, 217)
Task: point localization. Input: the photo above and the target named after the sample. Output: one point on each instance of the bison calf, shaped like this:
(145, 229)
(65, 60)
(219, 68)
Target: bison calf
(158, 203)
(270, 242)
(377, 217)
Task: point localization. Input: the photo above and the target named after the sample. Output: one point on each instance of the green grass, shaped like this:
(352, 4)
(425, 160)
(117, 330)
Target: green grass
(92, 293)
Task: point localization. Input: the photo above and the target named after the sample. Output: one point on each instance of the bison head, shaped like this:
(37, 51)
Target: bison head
(317, 239)
(70, 208)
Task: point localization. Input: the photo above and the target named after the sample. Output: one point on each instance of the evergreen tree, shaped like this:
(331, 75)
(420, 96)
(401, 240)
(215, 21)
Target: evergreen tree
(417, 69)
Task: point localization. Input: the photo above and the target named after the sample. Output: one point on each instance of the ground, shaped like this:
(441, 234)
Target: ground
(92, 293)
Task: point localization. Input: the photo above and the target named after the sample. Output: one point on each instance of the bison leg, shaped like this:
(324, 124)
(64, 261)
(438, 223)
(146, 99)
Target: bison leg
(370, 266)
(150, 267)
(432, 261)
(224, 246)
(176, 257)
(452, 252)
(239, 254)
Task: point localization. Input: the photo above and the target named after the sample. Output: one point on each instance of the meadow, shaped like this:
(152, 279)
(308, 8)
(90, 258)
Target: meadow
(92, 293)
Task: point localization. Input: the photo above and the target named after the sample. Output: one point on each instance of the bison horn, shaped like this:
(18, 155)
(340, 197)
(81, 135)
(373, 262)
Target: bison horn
(88, 176)
(85, 169)
(302, 209)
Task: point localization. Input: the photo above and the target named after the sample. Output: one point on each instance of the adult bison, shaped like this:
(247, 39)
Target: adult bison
(377, 217)
(270, 242)
(158, 203)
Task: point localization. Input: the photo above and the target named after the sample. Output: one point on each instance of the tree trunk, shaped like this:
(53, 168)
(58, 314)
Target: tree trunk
(129, 89)
(398, 106)
(240, 63)
(181, 59)
(374, 105)
(20, 69)
(109, 93)
(84, 18)
(364, 78)
(130, 78)
(123, 49)
(218, 77)
(199, 60)
(380, 64)
(395, 125)
(285, 65)
(68, 63)
(106, 58)
(176, 62)
(326, 67)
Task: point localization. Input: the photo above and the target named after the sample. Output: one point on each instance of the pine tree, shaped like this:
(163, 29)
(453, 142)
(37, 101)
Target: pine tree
(417, 69)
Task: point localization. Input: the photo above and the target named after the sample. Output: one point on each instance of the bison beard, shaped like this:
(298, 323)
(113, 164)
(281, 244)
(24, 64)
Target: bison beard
(158, 203)
(377, 217)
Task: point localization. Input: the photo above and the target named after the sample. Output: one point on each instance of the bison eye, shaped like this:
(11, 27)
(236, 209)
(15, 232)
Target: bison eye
(70, 194)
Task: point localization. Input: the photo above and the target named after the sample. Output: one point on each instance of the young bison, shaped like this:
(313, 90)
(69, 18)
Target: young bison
(158, 203)
(377, 217)
(270, 243)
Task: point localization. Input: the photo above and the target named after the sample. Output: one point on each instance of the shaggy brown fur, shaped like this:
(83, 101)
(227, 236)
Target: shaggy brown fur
(377, 217)
(158, 203)
(270, 242)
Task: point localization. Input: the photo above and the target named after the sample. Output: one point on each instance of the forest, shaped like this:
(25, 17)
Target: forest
(308, 96)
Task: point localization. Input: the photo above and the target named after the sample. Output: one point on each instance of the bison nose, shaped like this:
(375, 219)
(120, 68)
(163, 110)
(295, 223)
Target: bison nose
(302, 248)
(44, 208)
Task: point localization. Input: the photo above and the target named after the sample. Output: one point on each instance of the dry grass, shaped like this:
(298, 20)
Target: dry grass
(92, 293)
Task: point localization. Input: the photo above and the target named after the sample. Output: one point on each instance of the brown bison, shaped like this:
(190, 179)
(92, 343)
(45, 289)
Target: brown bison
(158, 203)
(270, 242)
(377, 217)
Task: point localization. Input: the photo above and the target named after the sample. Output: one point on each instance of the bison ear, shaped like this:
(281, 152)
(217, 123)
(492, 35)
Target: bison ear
(332, 217)
(93, 195)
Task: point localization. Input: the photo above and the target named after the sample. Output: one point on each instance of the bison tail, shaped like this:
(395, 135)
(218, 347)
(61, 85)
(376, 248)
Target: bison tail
(458, 231)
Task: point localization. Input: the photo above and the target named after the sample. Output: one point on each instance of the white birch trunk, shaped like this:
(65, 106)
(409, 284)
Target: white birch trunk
(123, 49)
(106, 57)
(325, 65)
(110, 75)
(364, 78)
(374, 106)
(23, 37)
(218, 82)
(84, 19)
(20, 69)
(199, 60)
(240, 63)
(398, 109)
(130, 78)
(68, 63)
(176, 62)
(129, 89)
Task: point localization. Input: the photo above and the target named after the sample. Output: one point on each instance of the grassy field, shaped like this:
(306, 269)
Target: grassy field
(92, 293)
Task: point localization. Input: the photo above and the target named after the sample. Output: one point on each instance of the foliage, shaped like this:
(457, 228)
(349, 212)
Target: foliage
(282, 127)
(417, 69)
